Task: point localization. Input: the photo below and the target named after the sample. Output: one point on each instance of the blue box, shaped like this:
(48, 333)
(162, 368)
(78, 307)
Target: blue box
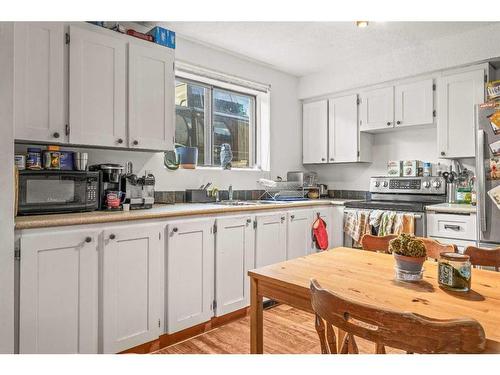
(163, 36)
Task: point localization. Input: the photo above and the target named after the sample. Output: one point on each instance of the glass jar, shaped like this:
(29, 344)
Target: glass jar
(34, 158)
(52, 158)
(464, 195)
(454, 272)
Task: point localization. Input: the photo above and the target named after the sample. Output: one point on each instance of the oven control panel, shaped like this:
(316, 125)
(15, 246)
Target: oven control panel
(408, 185)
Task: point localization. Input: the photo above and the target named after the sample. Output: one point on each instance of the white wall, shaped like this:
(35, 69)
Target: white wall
(286, 133)
(7, 189)
(403, 144)
(451, 51)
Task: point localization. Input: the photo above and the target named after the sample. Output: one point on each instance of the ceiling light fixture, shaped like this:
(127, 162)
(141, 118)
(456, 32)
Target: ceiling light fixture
(361, 23)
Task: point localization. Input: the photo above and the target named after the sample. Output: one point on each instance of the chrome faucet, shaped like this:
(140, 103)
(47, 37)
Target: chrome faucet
(230, 191)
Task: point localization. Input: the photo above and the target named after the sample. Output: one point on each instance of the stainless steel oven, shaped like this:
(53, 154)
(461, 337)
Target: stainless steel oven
(50, 191)
(402, 195)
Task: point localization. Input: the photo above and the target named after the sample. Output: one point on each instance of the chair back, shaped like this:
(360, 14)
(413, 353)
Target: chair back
(434, 248)
(376, 243)
(401, 330)
(484, 257)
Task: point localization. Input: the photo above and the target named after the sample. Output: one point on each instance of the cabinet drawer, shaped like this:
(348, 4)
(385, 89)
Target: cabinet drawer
(451, 226)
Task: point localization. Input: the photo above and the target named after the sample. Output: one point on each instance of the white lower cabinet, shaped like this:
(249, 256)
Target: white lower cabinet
(234, 256)
(299, 233)
(130, 286)
(270, 239)
(59, 292)
(189, 273)
(336, 227)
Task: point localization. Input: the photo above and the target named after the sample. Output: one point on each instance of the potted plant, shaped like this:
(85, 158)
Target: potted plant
(409, 252)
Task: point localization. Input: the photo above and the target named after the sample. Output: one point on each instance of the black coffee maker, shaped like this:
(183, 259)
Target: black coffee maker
(110, 186)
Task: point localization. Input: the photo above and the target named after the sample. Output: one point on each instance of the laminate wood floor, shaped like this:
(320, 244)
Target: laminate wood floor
(286, 331)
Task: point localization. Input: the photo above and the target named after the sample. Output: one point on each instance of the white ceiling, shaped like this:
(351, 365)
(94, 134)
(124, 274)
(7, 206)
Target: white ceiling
(302, 48)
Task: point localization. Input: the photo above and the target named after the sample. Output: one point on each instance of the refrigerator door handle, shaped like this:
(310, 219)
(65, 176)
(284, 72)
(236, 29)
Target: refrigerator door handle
(480, 180)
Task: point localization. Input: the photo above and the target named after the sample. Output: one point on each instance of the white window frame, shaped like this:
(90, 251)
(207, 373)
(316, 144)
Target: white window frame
(259, 138)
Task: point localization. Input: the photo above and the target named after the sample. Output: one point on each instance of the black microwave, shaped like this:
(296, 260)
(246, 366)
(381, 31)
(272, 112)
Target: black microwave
(53, 191)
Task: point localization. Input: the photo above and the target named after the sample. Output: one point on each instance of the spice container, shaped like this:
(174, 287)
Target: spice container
(34, 158)
(464, 195)
(52, 158)
(454, 272)
(20, 161)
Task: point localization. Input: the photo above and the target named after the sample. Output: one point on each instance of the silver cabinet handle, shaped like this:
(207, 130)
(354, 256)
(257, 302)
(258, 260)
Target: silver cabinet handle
(452, 227)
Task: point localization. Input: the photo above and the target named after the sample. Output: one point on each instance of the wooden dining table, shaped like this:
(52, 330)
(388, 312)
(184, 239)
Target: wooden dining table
(368, 277)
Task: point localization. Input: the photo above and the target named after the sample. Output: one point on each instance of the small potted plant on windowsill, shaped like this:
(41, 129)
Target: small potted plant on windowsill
(409, 253)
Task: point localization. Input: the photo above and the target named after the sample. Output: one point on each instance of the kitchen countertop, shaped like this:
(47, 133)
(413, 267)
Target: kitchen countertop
(452, 208)
(158, 211)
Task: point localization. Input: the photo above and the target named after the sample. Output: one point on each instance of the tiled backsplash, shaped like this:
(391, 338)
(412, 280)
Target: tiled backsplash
(171, 197)
(180, 196)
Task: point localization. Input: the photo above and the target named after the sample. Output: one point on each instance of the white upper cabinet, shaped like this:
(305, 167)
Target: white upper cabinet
(457, 96)
(39, 82)
(315, 132)
(190, 273)
(151, 97)
(414, 103)
(130, 286)
(97, 81)
(299, 233)
(377, 109)
(59, 292)
(234, 257)
(270, 239)
(343, 129)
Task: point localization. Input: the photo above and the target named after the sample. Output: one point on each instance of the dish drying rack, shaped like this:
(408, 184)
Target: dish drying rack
(282, 190)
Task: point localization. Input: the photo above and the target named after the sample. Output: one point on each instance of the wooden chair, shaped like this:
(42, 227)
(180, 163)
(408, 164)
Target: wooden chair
(484, 257)
(434, 248)
(381, 244)
(401, 330)
(376, 243)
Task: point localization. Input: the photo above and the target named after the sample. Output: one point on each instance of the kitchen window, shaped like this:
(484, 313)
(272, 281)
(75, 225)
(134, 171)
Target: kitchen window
(211, 112)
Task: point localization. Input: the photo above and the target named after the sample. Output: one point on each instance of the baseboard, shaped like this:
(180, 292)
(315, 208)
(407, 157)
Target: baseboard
(170, 339)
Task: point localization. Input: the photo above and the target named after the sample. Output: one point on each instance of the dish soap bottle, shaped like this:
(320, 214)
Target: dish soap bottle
(473, 195)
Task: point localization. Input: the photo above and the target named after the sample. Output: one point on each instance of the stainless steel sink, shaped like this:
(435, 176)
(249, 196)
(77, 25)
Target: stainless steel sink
(238, 203)
(248, 203)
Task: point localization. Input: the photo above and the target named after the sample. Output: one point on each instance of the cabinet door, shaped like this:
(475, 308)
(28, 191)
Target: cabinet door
(336, 227)
(59, 292)
(151, 97)
(414, 103)
(131, 286)
(315, 132)
(270, 239)
(190, 274)
(299, 233)
(343, 129)
(457, 96)
(377, 109)
(97, 81)
(234, 256)
(39, 81)
(326, 213)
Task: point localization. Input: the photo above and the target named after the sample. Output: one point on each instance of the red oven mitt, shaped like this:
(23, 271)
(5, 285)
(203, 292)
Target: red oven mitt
(320, 235)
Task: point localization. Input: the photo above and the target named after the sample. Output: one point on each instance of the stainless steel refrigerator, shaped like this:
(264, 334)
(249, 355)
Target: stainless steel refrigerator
(488, 174)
